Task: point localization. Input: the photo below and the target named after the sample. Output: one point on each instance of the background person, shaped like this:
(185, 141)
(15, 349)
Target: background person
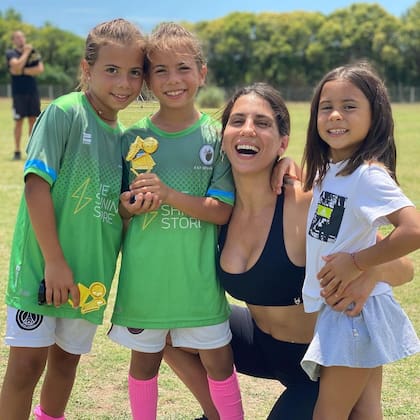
(24, 63)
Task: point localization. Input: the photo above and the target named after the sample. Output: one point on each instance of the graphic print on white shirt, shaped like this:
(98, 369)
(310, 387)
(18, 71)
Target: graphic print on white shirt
(327, 219)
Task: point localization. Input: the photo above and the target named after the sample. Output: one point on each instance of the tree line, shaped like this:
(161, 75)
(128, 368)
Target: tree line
(285, 49)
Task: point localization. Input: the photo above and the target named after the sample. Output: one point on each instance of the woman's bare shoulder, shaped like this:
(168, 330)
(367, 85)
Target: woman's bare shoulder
(294, 193)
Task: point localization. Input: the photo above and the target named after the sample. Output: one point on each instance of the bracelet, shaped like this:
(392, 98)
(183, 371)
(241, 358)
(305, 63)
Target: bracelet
(353, 257)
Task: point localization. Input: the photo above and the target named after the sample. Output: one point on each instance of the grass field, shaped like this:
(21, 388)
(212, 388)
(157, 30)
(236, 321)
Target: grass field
(100, 389)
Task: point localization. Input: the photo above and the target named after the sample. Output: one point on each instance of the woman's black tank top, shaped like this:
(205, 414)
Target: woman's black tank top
(274, 280)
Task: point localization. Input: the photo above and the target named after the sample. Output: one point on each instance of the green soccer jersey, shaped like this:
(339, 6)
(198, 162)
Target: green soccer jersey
(168, 276)
(80, 157)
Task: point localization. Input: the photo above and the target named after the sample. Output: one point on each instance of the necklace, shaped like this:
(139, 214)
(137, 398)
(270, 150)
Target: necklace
(98, 111)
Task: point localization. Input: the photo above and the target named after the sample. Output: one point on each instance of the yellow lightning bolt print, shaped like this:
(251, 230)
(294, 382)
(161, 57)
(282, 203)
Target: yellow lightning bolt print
(80, 194)
(148, 218)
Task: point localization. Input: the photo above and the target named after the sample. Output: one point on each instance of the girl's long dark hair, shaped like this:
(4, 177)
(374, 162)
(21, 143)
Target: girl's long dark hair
(379, 144)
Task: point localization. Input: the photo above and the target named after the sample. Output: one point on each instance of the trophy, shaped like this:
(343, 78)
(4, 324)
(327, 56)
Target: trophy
(91, 298)
(140, 154)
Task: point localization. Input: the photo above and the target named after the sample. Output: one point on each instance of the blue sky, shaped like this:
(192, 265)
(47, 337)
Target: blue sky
(79, 16)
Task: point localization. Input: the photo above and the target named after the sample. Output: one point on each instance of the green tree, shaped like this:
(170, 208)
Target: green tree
(11, 15)
(360, 31)
(296, 49)
(281, 45)
(61, 53)
(410, 45)
(228, 45)
(288, 50)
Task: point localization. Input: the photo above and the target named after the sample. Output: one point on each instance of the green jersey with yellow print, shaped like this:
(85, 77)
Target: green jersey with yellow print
(168, 276)
(80, 157)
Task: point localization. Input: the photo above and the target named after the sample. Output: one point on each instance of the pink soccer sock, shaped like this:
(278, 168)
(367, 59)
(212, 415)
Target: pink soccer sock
(226, 397)
(143, 398)
(40, 415)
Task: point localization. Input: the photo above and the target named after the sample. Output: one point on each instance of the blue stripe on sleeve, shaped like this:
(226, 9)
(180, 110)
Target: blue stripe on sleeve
(40, 166)
(225, 196)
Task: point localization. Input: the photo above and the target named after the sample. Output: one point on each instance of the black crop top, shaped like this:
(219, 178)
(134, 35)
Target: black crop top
(274, 280)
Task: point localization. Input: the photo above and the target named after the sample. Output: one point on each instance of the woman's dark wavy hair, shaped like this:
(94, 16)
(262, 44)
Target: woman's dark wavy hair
(271, 95)
(379, 144)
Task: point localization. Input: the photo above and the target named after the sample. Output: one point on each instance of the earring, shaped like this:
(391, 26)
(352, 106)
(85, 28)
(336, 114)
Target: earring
(222, 154)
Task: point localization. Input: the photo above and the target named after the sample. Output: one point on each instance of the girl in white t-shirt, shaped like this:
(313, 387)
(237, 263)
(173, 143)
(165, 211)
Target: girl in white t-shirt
(350, 161)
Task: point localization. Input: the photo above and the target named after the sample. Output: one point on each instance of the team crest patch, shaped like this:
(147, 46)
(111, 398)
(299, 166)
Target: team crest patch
(135, 331)
(28, 321)
(207, 154)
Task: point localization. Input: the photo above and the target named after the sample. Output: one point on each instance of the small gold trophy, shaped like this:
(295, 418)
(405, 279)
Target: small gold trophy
(92, 298)
(140, 153)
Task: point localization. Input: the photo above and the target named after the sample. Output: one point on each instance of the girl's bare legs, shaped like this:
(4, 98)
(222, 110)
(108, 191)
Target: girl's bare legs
(145, 366)
(59, 380)
(188, 367)
(222, 382)
(24, 368)
(340, 389)
(218, 362)
(369, 407)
